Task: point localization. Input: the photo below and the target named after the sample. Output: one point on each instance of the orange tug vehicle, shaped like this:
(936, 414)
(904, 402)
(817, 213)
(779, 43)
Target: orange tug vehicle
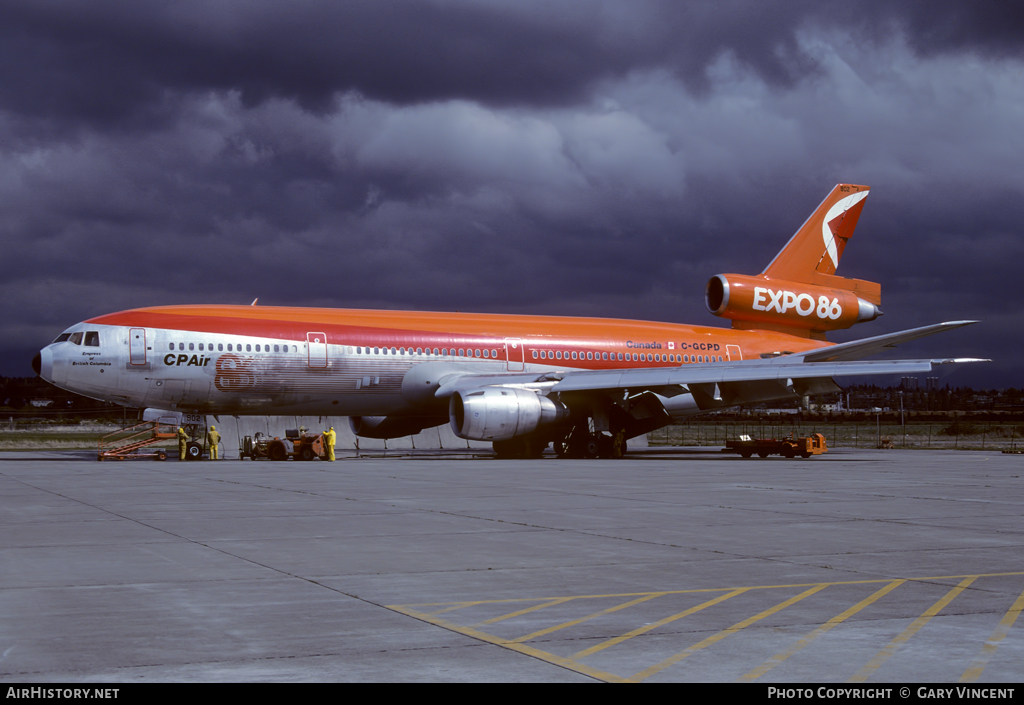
(296, 444)
(787, 447)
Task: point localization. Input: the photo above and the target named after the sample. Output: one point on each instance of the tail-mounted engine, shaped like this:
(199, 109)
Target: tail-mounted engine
(500, 413)
(750, 300)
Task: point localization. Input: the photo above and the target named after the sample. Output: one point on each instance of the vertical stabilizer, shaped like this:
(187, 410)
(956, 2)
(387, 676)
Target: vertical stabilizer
(819, 243)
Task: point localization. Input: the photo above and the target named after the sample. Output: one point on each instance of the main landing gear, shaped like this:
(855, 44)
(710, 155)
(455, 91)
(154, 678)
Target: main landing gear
(581, 442)
(578, 442)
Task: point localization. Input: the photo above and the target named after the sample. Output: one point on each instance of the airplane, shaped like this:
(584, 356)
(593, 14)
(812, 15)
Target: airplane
(522, 382)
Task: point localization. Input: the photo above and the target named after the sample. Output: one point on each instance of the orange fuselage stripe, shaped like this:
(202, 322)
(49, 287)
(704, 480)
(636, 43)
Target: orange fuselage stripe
(436, 329)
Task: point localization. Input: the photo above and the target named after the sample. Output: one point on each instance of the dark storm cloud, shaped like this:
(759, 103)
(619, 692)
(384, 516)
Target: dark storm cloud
(546, 157)
(111, 61)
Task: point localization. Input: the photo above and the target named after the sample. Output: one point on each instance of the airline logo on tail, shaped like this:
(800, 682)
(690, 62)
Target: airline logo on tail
(832, 228)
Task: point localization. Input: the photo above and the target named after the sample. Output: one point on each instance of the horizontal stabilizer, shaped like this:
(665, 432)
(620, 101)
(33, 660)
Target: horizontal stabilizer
(865, 347)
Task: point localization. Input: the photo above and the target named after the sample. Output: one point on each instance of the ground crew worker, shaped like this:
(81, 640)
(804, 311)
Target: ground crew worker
(212, 440)
(330, 437)
(182, 442)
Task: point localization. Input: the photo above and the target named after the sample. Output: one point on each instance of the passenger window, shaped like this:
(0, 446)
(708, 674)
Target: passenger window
(248, 347)
(220, 347)
(76, 338)
(172, 347)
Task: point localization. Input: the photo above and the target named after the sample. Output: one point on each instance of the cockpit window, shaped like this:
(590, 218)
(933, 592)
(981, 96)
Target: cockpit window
(92, 339)
(62, 337)
(76, 338)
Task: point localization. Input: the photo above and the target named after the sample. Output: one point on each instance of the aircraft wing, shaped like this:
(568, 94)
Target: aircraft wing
(745, 371)
(726, 383)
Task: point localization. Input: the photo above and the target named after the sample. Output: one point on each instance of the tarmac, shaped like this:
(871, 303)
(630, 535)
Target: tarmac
(859, 566)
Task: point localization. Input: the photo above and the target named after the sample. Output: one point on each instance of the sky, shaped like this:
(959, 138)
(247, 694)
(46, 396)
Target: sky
(600, 158)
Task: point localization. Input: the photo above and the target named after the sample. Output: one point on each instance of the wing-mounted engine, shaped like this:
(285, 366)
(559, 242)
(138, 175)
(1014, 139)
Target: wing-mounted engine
(760, 302)
(500, 413)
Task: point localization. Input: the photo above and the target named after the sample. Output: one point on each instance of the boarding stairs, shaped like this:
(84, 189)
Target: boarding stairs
(127, 443)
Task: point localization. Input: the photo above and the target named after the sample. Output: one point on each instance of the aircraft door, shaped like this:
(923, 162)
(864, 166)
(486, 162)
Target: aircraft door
(514, 354)
(316, 344)
(137, 346)
(733, 353)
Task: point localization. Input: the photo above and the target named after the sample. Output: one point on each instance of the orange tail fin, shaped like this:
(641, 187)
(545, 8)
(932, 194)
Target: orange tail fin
(812, 254)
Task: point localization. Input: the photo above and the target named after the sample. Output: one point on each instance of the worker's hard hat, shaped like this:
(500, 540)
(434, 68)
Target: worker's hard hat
(213, 428)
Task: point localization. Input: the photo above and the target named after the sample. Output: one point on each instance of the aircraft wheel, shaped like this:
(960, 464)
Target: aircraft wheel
(193, 451)
(533, 446)
(577, 446)
(506, 449)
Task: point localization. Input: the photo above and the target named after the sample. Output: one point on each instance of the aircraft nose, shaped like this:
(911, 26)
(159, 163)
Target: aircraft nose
(42, 363)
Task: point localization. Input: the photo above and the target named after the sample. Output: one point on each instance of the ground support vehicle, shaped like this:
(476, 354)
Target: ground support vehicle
(296, 444)
(787, 447)
(129, 443)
